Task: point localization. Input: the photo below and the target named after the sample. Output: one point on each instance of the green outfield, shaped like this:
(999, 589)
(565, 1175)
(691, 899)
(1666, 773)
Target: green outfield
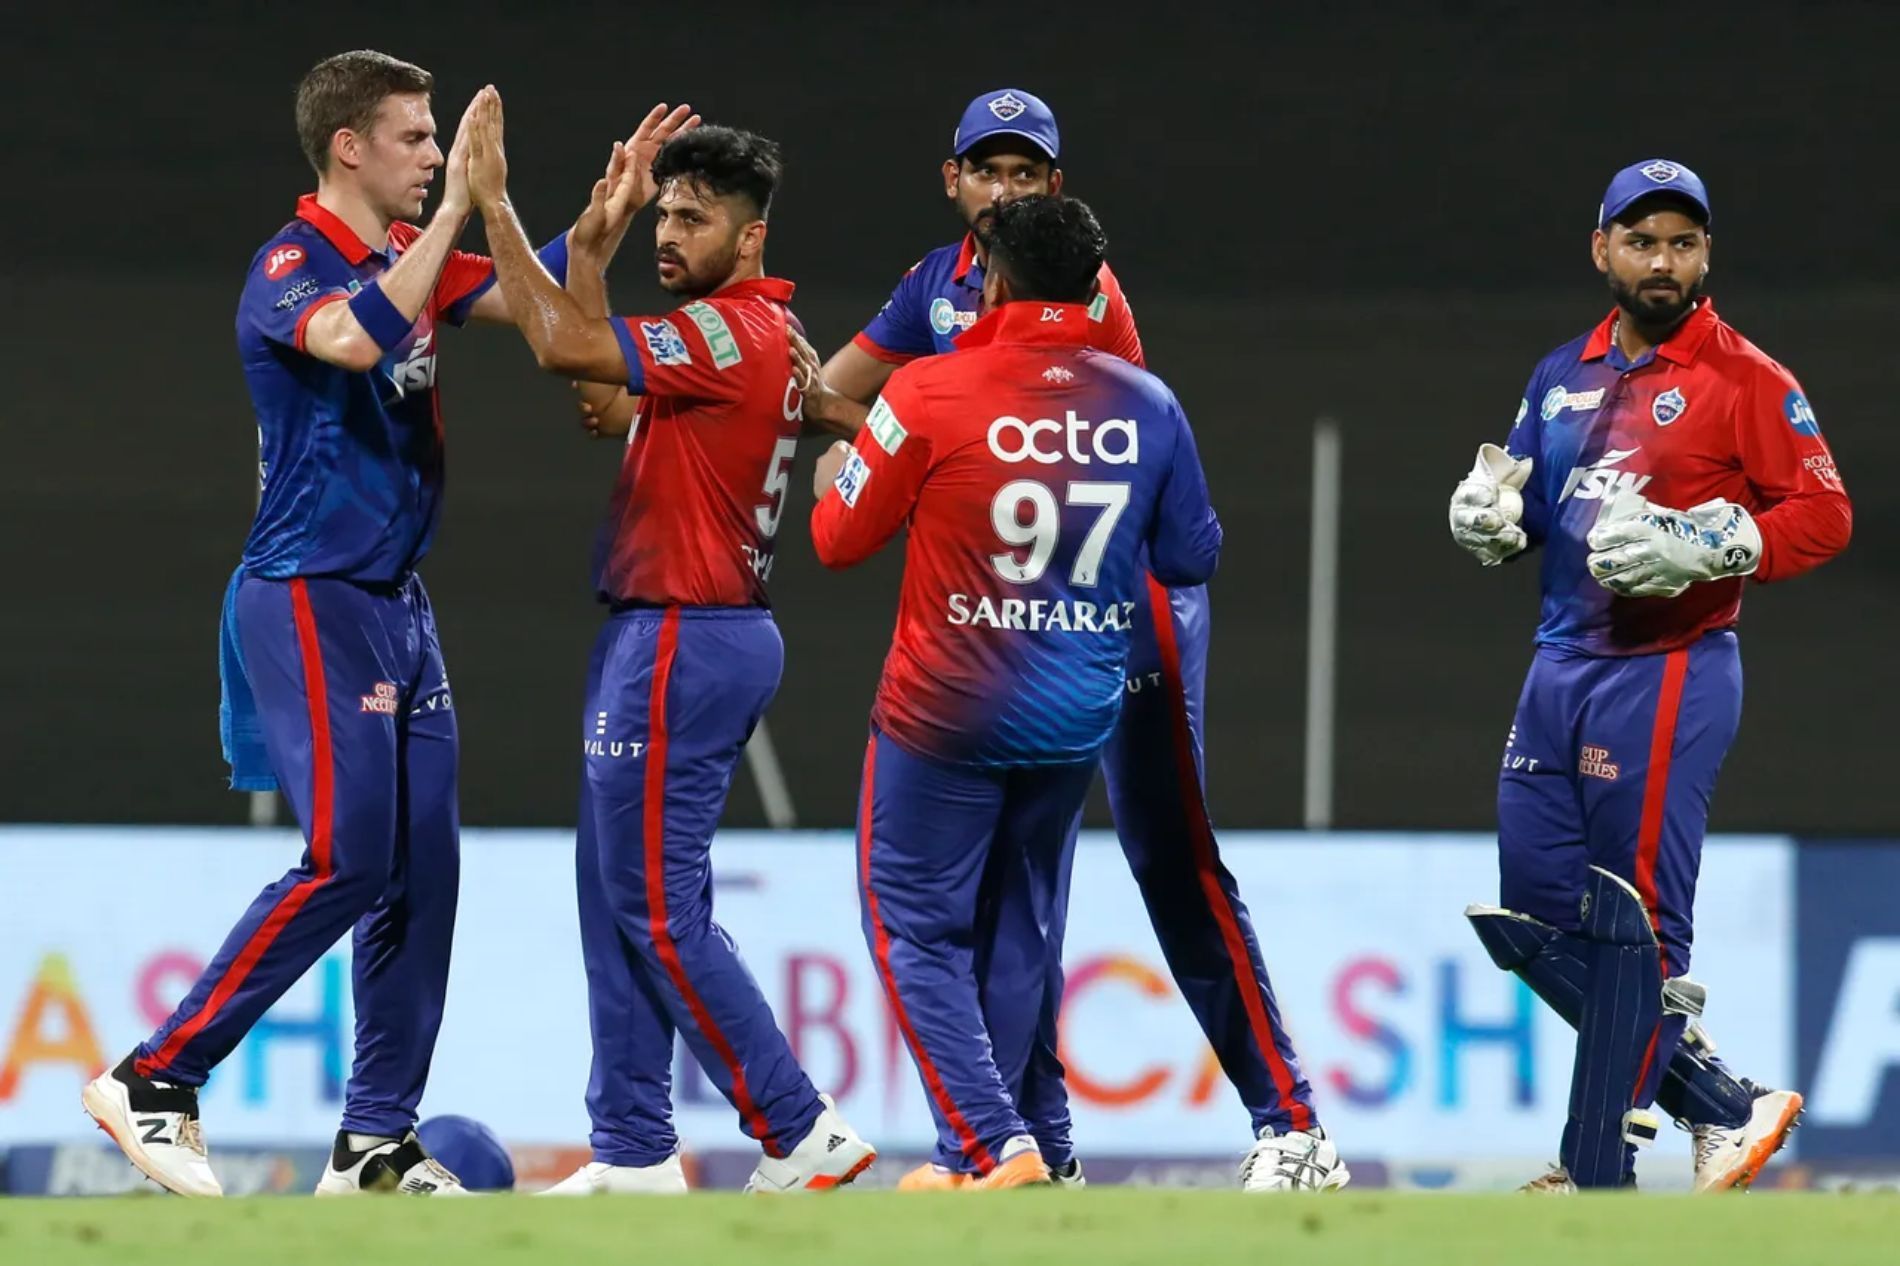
(1098, 1226)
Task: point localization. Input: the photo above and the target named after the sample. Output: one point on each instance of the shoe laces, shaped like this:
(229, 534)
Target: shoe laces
(1708, 1140)
(1293, 1159)
(191, 1135)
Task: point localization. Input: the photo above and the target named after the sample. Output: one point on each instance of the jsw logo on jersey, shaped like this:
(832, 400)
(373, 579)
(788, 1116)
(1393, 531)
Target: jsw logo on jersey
(1600, 480)
(1078, 439)
(416, 371)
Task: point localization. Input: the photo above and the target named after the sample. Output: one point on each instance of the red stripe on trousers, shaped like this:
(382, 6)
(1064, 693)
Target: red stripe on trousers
(881, 949)
(1662, 743)
(1201, 839)
(322, 813)
(663, 944)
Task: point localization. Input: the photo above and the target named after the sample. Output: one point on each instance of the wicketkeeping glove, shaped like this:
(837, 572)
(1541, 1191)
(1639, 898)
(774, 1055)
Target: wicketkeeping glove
(1640, 550)
(1486, 506)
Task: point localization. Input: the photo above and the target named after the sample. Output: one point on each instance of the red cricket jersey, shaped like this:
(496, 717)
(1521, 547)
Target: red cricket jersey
(708, 461)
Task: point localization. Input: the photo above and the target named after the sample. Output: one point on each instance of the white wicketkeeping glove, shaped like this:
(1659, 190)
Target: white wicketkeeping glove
(1486, 506)
(1640, 550)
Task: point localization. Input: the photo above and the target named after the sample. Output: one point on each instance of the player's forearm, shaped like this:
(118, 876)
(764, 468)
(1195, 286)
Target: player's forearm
(410, 281)
(838, 415)
(550, 318)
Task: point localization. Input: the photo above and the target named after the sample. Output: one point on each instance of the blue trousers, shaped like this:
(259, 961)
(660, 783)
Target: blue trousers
(672, 697)
(1612, 762)
(938, 846)
(1153, 764)
(360, 729)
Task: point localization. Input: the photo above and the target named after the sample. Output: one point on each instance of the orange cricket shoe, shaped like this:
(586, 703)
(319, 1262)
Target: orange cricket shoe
(933, 1177)
(1022, 1166)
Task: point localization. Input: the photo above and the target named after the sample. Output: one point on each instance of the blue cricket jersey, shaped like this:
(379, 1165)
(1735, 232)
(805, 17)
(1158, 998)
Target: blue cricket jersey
(350, 463)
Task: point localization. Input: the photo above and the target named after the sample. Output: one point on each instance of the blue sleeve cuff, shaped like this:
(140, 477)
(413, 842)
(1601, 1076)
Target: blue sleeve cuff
(553, 257)
(636, 371)
(380, 319)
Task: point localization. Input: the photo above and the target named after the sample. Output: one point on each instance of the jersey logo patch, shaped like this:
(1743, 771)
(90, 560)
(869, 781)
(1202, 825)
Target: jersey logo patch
(664, 343)
(1098, 307)
(1056, 373)
(943, 316)
(1557, 399)
(852, 476)
(283, 260)
(725, 348)
(885, 428)
(1800, 415)
(1007, 106)
(1669, 406)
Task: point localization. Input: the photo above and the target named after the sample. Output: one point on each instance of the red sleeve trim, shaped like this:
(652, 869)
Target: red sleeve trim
(312, 310)
(864, 343)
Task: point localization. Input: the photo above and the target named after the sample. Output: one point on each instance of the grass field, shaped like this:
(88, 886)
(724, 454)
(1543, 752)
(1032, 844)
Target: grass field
(1099, 1226)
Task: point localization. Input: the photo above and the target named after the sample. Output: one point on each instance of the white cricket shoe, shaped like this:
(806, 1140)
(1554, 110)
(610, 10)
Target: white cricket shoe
(597, 1178)
(1727, 1159)
(1300, 1160)
(156, 1126)
(832, 1155)
(1069, 1175)
(399, 1165)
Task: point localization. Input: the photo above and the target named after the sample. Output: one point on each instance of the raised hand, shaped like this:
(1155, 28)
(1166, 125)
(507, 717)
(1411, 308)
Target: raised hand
(487, 161)
(659, 127)
(455, 195)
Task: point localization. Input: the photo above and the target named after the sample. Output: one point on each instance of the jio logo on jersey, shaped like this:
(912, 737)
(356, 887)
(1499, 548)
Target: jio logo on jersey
(1668, 407)
(1800, 414)
(1114, 442)
(283, 260)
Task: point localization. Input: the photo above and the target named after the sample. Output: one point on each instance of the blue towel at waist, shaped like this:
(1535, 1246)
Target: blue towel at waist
(239, 728)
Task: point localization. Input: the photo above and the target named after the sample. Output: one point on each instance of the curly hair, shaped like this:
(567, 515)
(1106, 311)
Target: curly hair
(1049, 247)
(723, 161)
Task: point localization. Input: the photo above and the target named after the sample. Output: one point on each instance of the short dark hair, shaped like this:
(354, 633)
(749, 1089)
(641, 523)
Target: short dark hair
(723, 161)
(1662, 200)
(1050, 248)
(344, 91)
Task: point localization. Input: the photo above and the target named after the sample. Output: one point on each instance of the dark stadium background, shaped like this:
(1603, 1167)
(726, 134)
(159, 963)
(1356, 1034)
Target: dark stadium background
(1375, 213)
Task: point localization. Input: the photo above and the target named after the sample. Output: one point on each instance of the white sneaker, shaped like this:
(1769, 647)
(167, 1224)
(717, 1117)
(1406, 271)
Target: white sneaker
(1301, 1160)
(597, 1178)
(385, 1165)
(1726, 1159)
(831, 1155)
(1554, 1181)
(156, 1126)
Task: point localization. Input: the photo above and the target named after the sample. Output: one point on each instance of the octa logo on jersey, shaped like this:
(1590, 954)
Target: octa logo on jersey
(1014, 440)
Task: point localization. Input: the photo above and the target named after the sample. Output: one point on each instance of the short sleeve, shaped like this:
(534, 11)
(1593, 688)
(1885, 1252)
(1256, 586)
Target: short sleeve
(289, 282)
(1112, 321)
(900, 331)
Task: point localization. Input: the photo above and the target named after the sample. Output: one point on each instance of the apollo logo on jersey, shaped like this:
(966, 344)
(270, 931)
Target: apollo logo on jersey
(719, 337)
(1600, 480)
(1557, 399)
(1115, 442)
(283, 261)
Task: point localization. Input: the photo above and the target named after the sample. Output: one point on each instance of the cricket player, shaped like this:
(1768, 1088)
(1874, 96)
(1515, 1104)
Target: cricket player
(1023, 572)
(1659, 460)
(334, 686)
(1006, 146)
(690, 657)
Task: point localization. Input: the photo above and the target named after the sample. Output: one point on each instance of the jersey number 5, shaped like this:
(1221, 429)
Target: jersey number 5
(1044, 528)
(778, 476)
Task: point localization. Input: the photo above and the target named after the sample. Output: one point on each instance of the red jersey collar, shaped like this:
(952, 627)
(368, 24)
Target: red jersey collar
(1681, 346)
(340, 235)
(966, 256)
(777, 289)
(1030, 321)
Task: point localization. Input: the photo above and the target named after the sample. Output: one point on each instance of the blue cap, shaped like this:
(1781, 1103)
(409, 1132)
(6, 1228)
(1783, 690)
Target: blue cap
(1651, 176)
(1007, 112)
(470, 1150)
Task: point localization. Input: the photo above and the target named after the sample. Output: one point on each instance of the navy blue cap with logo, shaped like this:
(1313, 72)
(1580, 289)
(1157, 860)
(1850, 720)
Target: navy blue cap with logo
(1650, 177)
(1007, 112)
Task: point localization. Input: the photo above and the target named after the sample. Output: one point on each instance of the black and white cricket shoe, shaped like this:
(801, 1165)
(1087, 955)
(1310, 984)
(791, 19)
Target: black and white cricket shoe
(156, 1126)
(362, 1164)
